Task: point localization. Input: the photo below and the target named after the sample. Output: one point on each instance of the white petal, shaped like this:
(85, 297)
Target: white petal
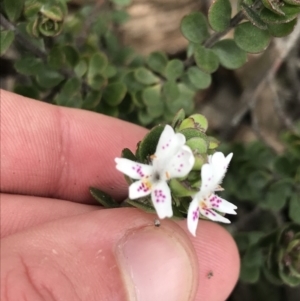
(221, 205)
(133, 169)
(208, 185)
(219, 165)
(193, 216)
(139, 189)
(161, 199)
(180, 165)
(168, 145)
(212, 215)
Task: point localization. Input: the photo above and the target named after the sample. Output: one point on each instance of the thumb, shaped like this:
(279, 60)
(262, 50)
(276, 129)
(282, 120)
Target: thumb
(102, 255)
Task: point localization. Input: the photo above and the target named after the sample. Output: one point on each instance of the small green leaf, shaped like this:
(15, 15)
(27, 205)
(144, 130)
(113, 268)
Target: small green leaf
(106, 109)
(249, 274)
(179, 116)
(81, 68)
(253, 16)
(190, 133)
(200, 122)
(174, 69)
(294, 208)
(13, 8)
(27, 91)
(114, 93)
(206, 59)
(180, 189)
(290, 12)
(132, 84)
(6, 39)
(144, 118)
(48, 78)
(152, 95)
(145, 76)
(213, 143)
(250, 38)
(147, 146)
(197, 144)
(274, 6)
(219, 15)
(97, 64)
(56, 58)
(198, 78)
(29, 65)
(103, 198)
(194, 27)
(292, 2)
(157, 61)
(283, 29)
(229, 54)
(140, 205)
(170, 90)
(71, 54)
(128, 154)
(92, 100)
(97, 82)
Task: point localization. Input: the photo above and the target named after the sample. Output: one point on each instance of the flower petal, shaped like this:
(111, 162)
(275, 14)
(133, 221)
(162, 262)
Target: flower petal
(180, 165)
(168, 145)
(133, 169)
(221, 205)
(208, 185)
(212, 215)
(139, 189)
(193, 216)
(161, 199)
(219, 165)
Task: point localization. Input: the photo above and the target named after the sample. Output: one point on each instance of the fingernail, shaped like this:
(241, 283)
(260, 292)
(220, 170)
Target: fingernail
(157, 264)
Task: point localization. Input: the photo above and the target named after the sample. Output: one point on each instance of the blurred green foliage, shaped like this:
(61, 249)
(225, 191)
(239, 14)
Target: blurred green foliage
(74, 58)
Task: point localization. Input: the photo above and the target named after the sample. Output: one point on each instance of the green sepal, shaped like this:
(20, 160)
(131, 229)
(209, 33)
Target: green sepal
(103, 198)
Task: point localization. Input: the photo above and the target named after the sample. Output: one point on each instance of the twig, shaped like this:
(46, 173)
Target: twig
(250, 95)
(22, 40)
(280, 109)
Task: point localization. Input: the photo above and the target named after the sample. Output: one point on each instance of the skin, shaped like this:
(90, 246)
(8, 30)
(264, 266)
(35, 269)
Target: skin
(57, 245)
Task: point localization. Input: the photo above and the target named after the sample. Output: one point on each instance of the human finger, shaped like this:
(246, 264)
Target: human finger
(116, 255)
(58, 152)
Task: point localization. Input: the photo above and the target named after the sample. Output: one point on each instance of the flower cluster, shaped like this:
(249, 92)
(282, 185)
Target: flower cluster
(174, 159)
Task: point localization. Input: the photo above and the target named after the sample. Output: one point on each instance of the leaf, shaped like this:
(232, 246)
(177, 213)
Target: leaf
(145, 76)
(6, 39)
(180, 189)
(274, 6)
(170, 90)
(198, 78)
(174, 69)
(147, 146)
(128, 154)
(13, 8)
(114, 93)
(71, 54)
(283, 29)
(132, 84)
(106, 109)
(56, 58)
(290, 12)
(194, 27)
(249, 274)
(81, 68)
(91, 100)
(151, 95)
(144, 118)
(253, 16)
(27, 91)
(198, 144)
(140, 205)
(179, 116)
(229, 54)
(219, 15)
(103, 198)
(250, 38)
(29, 65)
(206, 59)
(200, 122)
(157, 61)
(294, 208)
(48, 78)
(97, 64)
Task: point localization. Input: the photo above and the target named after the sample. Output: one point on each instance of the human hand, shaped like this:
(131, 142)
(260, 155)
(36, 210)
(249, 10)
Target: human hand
(56, 245)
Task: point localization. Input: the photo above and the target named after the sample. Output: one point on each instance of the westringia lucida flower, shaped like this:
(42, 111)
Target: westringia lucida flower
(206, 202)
(172, 159)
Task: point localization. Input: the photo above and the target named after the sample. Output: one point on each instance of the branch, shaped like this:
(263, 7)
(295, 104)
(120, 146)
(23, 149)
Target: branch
(22, 39)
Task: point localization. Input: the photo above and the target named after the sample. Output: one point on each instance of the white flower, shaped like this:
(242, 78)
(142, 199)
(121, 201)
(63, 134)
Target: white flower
(172, 159)
(205, 202)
